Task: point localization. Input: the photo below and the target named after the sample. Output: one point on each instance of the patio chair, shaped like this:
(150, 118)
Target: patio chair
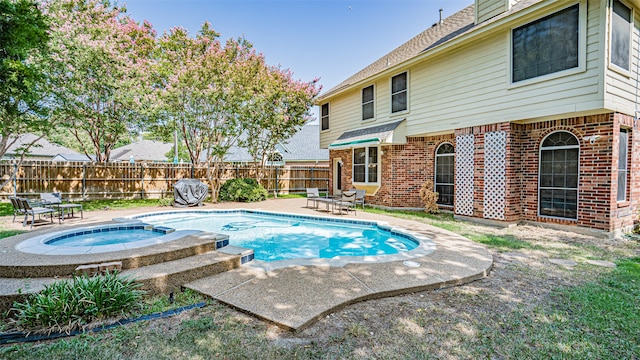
(360, 197)
(33, 210)
(17, 209)
(312, 195)
(51, 198)
(346, 202)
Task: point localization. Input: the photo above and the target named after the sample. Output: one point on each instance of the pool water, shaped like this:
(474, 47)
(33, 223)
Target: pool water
(280, 238)
(110, 237)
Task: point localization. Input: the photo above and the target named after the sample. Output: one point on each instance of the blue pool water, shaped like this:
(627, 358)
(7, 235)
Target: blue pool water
(274, 238)
(104, 238)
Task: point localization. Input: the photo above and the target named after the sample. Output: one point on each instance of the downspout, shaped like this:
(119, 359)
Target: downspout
(635, 115)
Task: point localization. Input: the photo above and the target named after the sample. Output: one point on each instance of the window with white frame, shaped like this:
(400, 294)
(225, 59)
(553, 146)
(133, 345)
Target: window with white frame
(444, 174)
(399, 90)
(368, 103)
(365, 165)
(623, 151)
(621, 27)
(324, 116)
(558, 179)
(546, 46)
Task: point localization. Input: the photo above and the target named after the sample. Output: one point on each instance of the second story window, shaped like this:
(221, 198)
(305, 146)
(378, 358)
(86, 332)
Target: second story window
(399, 93)
(546, 46)
(621, 27)
(324, 116)
(367, 103)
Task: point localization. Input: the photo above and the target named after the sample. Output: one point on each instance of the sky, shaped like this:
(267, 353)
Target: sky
(326, 39)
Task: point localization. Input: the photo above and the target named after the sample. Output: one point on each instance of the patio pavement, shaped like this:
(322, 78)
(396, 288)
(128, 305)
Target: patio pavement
(296, 296)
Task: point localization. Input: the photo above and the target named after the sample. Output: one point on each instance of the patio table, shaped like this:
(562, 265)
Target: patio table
(67, 209)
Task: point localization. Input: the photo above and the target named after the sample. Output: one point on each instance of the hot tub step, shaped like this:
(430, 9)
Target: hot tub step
(169, 276)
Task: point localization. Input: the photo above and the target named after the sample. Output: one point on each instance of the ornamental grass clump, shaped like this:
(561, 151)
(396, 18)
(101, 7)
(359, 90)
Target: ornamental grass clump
(73, 304)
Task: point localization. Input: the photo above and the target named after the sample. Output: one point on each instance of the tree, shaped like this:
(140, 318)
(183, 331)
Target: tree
(275, 113)
(204, 86)
(23, 40)
(100, 74)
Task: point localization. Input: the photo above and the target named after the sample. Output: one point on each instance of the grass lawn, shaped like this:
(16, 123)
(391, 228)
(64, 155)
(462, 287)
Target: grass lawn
(527, 308)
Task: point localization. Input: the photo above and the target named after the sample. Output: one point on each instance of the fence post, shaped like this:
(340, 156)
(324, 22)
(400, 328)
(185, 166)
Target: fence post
(84, 181)
(142, 181)
(311, 185)
(15, 175)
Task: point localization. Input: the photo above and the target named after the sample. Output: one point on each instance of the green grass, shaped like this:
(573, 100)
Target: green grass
(7, 233)
(501, 243)
(596, 319)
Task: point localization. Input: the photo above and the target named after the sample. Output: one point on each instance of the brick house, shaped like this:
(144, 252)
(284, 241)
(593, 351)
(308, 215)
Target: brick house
(516, 111)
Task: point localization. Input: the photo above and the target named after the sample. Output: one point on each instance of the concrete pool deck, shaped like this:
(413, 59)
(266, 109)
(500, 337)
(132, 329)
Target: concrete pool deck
(296, 296)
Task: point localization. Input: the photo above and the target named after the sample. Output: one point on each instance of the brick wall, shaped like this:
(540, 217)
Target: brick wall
(404, 168)
(595, 179)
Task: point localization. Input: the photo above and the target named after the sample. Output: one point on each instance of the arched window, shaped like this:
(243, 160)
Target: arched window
(558, 179)
(444, 173)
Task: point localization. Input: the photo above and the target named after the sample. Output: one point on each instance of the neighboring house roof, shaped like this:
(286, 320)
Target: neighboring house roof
(450, 28)
(42, 147)
(73, 157)
(144, 150)
(304, 145)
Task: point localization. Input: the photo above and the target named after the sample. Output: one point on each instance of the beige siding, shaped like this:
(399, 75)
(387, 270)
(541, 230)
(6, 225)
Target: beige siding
(344, 114)
(486, 9)
(620, 88)
(471, 87)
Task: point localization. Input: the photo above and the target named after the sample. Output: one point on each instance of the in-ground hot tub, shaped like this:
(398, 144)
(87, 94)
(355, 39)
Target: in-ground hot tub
(100, 239)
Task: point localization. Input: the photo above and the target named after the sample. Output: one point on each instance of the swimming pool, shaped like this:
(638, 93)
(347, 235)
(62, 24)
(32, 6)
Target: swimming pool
(277, 237)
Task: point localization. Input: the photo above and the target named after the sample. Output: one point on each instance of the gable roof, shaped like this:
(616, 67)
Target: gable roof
(73, 157)
(452, 27)
(42, 147)
(145, 150)
(304, 145)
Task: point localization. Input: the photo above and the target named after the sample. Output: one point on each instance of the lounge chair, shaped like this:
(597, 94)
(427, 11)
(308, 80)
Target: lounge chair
(54, 200)
(33, 210)
(360, 197)
(17, 209)
(346, 202)
(312, 195)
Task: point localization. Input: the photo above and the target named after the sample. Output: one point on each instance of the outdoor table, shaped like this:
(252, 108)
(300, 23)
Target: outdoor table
(67, 209)
(327, 201)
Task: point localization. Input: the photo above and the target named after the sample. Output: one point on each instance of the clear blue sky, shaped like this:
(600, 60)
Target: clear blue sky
(329, 39)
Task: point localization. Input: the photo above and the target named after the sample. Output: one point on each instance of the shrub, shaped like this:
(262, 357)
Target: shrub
(429, 198)
(243, 189)
(71, 304)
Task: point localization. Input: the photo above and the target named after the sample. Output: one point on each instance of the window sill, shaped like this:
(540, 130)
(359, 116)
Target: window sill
(547, 77)
(625, 203)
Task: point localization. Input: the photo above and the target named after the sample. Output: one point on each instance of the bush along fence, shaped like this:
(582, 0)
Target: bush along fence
(91, 181)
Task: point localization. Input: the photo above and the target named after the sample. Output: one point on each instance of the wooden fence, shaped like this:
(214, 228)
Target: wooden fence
(87, 181)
